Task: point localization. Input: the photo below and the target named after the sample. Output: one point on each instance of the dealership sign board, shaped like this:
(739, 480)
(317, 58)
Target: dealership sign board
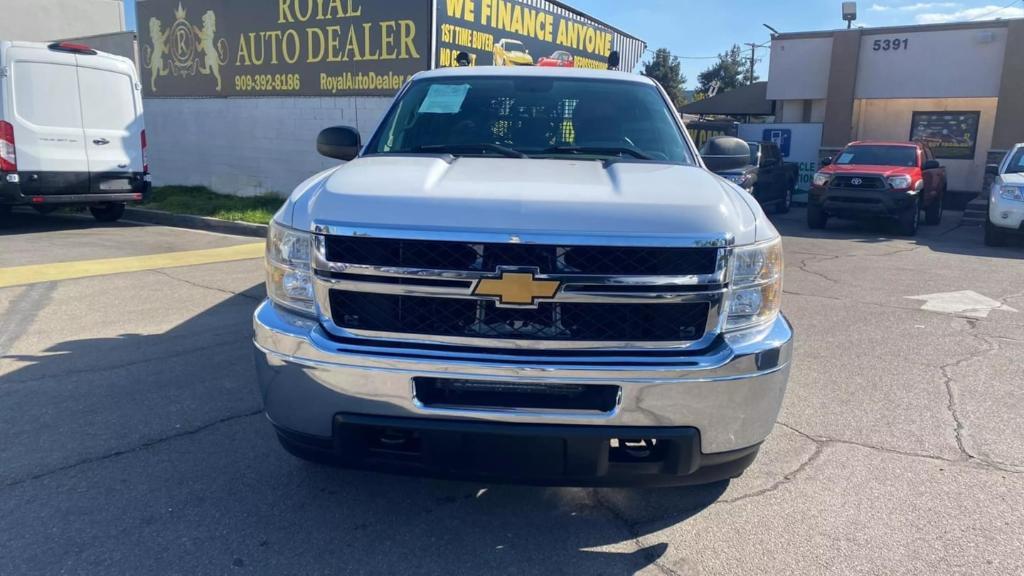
(281, 47)
(799, 143)
(951, 135)
(211, 48)
(515, 33)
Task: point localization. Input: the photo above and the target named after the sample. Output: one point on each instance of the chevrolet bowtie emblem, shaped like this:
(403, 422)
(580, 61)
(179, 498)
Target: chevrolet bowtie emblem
(517, 288)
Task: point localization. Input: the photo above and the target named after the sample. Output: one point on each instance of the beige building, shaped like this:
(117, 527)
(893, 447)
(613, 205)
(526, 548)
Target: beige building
(957, 86)
(42, 20)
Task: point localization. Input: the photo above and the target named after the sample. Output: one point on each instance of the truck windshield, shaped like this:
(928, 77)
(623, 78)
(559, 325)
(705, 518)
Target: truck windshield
(874, 155)
(754, 149)
(1016, 165)
(533, 116)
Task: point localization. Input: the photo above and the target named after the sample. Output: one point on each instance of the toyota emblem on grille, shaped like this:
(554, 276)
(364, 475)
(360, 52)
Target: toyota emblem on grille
(517, 288)
(857, 181)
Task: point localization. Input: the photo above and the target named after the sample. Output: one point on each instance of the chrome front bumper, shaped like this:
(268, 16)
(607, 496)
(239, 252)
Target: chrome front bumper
(731, 395)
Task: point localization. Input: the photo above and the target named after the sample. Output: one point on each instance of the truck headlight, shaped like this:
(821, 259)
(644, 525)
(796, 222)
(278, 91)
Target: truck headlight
(755, 285)
(1011, 193)
(289, 268)
(741, 180)
(901, 182)
(821, 179)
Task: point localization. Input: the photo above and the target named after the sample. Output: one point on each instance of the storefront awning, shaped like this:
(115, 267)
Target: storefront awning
(743, 101)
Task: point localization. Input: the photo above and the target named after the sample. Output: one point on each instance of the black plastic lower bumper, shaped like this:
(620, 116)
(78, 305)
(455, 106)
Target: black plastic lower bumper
(857, 203)
(554, 455)
(73, 188)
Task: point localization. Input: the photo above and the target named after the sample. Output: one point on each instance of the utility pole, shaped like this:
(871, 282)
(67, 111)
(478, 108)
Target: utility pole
(753, 60)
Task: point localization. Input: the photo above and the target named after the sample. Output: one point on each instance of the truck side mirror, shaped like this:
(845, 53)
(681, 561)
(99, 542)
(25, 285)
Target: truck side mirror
(725, 153)
(992, 170)
(614, 59)
(931, 165)
(826, 161)
(341, 142)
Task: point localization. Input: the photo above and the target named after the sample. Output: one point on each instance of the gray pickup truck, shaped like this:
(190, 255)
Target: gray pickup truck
(526, 274)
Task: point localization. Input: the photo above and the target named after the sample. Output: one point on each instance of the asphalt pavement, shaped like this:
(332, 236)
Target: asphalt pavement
(132, 440)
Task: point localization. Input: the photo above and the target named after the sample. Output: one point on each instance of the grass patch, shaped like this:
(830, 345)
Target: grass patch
(201, 201)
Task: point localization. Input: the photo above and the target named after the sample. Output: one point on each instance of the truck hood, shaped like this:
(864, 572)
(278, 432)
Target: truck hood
(542, 196)
(870, 169)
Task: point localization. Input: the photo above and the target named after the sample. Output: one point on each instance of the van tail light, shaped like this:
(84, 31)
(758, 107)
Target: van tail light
(72, 47)
(8, 159)
(145, 153)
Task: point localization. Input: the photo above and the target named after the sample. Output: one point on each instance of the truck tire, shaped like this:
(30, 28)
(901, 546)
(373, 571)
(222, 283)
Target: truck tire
(910, 219)
(786, 203)
(994, 236)
(110, 212)
(933, 214)
(816, 218)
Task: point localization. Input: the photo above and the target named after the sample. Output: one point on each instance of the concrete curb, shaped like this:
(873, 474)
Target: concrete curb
(195, 222)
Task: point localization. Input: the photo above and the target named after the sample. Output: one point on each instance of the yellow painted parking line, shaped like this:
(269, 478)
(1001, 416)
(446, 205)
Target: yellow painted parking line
(36, 273)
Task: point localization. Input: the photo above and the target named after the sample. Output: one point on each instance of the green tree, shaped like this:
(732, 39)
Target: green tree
(667, 71)
(731, 71)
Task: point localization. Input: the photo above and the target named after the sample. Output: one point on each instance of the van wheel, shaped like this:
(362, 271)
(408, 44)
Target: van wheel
(110, 212)
(910, 219)
(994, 235)
(933, 214)
(816, 218)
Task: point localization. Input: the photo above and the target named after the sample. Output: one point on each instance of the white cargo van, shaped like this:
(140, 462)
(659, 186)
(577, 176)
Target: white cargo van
(71, 129)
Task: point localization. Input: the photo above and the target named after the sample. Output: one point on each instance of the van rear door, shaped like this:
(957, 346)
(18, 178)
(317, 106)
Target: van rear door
(112, 122)
(47, 120)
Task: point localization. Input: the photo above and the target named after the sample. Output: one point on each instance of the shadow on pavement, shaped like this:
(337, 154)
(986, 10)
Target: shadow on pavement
(949, 236)
(28, 221)
(149, 454)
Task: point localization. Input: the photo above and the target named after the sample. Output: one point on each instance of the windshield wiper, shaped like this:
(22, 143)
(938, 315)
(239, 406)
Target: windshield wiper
(598, 151)
(456, 149)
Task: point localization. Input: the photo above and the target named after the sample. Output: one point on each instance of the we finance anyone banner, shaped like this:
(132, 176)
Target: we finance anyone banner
(213, 48)
(517, 33)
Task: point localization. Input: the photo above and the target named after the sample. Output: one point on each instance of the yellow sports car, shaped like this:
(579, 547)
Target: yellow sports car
(509, 52)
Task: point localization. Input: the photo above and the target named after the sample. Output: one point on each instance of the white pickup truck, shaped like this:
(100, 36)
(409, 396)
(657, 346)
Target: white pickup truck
(525, 275)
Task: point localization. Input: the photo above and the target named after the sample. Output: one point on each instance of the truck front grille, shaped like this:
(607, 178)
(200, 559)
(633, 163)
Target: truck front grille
(548, 259)
(552, 321)
(858, 182)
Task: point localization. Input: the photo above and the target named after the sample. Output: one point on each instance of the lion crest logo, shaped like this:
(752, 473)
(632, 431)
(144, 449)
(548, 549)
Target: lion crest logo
(184, 50)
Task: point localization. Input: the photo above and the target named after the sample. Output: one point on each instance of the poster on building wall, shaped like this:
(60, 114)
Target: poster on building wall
(517, 33)
(211, 48)
(951, 135)
(799, 144)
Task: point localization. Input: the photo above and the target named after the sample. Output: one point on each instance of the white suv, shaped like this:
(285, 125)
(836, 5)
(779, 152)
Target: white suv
(1006, 198)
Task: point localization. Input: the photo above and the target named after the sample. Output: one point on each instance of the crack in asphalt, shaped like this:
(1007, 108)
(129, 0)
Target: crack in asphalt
(909, 308)
(634, 531)
(138, 448)
(802, 266)
(205, 287)
(819, 449)
(122, 365)
(960, 431)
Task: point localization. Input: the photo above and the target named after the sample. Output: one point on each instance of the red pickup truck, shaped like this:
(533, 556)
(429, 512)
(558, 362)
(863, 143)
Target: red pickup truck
(893, 180)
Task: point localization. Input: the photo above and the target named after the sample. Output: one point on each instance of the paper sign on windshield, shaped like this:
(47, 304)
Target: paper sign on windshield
(444, 99)
(845, 158)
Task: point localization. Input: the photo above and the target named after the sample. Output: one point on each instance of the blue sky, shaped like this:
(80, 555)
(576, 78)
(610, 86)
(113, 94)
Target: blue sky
(696, 29)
